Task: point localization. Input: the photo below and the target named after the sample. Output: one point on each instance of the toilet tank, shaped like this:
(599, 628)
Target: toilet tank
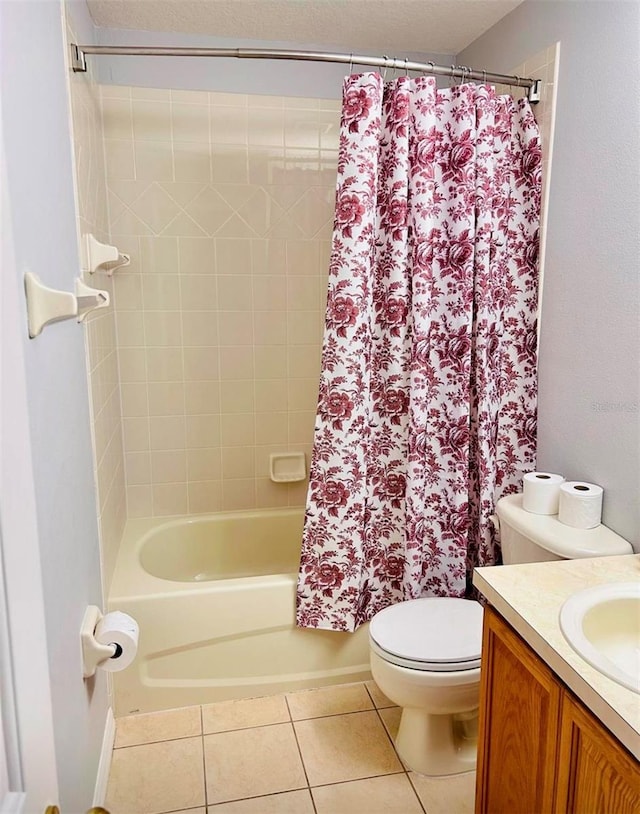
(528, 537)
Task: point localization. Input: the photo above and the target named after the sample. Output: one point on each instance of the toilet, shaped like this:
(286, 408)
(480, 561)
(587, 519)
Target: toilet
(425, 653)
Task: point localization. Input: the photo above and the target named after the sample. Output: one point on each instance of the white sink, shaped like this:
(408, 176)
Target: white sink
(602, 624)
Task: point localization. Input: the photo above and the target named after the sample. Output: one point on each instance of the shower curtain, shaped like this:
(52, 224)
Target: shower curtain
(427, 404)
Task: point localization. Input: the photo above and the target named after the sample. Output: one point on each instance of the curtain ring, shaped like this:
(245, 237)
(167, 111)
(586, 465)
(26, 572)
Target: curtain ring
(384, 75)
(432, 64)
(484, 77)
(351, 63)
(406, 70)
(452, 78)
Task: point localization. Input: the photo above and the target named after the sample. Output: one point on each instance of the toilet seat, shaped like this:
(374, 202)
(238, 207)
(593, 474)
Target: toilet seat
(438, 634)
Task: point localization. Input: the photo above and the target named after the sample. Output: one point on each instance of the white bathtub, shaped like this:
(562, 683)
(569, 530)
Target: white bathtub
(214, 597)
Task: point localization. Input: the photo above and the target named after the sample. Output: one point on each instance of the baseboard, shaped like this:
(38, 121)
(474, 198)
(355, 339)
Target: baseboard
(104, 765)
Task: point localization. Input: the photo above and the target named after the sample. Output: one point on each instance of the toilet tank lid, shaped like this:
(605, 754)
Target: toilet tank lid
(563, 541)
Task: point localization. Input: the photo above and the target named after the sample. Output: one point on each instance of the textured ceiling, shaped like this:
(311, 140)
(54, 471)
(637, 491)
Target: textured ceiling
(379, 26)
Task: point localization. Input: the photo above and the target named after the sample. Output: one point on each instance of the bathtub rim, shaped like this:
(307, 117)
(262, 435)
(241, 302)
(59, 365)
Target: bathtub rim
(130, 579)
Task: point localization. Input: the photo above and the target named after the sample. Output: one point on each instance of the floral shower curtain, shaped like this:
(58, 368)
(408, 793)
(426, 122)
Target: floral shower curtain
(427, 404)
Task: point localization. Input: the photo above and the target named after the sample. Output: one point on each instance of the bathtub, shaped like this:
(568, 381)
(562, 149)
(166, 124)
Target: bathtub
(214, 597)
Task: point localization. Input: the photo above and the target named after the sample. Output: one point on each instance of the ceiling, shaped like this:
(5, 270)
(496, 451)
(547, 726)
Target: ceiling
(370, 26)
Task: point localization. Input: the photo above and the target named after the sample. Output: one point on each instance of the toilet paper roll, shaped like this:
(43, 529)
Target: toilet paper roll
(121, 630)
(580, 504)
(541, 492)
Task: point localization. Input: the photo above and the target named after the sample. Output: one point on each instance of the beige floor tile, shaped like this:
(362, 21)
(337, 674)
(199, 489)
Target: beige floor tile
(392, 794)
(252, 762)
(379, 698)
(133, 730)
(391, 720)
(190, 811)
(453, 794)
(345, 747)
(328, 701)
(248, 712)
(291, 802)
(156, 777)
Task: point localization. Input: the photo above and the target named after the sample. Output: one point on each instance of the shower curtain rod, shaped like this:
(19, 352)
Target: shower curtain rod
(79, 52)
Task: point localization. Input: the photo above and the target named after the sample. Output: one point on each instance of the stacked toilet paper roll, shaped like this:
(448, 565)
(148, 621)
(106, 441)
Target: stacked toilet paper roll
(580, 504)
(541, 492)
(121, 630)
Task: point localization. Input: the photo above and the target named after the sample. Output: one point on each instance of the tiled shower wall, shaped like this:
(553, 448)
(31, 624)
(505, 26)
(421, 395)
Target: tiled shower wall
(225, 203)
(100, 332)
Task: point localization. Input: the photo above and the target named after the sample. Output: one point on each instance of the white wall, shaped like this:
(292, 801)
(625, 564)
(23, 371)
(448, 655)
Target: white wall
(589, 425)
(35, 121)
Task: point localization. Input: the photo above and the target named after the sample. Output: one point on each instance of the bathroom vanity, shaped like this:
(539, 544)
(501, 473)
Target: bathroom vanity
(555, 734)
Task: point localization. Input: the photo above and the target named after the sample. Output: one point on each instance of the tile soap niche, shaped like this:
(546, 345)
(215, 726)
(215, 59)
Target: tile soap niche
(287, 467)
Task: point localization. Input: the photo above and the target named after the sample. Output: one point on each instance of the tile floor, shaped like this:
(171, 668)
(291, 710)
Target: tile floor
(324, 751)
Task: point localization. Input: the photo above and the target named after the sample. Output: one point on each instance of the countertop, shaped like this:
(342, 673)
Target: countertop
(529, 597)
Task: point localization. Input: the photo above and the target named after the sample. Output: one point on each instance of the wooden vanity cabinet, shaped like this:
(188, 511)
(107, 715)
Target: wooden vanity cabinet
(595, 774)
(540, 751)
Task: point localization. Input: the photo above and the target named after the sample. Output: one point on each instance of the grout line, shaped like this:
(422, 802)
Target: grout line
(246, 728)
(334, 714)
(415, 791)
(204, 761)
(310, 790)
(356, 779)
(304, 768)
(364, 684)
(182, 348)
(257, 797)
(159, 740)
(388, 734)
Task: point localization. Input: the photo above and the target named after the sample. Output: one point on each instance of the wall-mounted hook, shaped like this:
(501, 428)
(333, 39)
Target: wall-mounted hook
(46, 305)
(102, 257)
(89, 299)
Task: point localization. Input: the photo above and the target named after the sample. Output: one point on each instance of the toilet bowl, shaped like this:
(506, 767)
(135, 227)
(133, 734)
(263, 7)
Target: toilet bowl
(425, 657)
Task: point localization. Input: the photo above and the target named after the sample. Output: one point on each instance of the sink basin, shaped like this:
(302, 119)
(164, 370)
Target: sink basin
(602, 624)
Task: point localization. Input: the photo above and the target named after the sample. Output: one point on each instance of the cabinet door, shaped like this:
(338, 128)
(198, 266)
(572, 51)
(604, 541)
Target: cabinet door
(596, 775)
(519, 719)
